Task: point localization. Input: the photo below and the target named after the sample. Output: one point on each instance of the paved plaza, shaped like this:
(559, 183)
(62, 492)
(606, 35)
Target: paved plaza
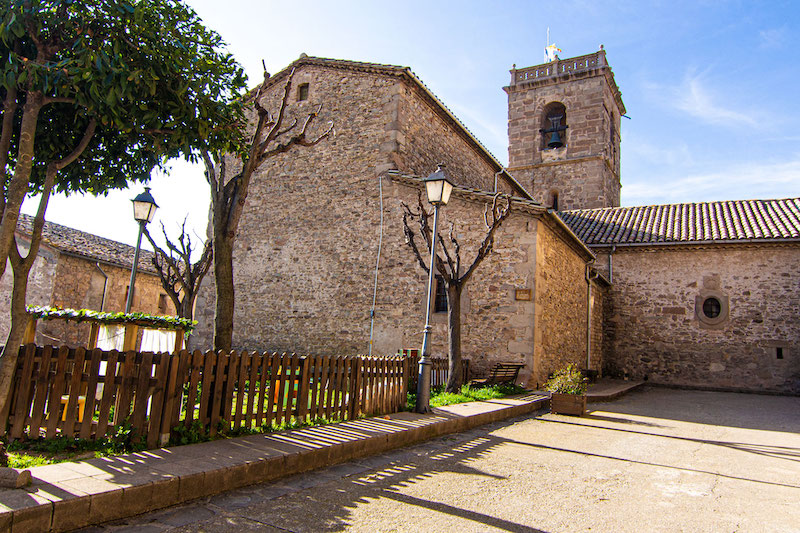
(654, 460)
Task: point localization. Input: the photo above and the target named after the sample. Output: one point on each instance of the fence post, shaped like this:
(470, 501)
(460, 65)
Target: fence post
(302, 389)
(355, 389)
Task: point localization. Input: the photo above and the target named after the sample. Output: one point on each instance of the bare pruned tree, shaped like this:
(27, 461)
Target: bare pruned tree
(179, 276)
(449, 266)
(229, 179)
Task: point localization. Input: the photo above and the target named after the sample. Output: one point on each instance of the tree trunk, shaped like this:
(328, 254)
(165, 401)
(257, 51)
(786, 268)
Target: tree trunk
(455, 375)
(18, 185)
(19, 321)
(223, 274)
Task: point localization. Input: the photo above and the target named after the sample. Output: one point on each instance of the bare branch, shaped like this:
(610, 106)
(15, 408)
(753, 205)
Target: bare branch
(282, 110)
(499, 214)
(409, 235)
(299, 139)
(180, 278)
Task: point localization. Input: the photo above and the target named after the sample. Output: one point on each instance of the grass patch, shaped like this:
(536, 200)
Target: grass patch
(439, 397)
(39, 452)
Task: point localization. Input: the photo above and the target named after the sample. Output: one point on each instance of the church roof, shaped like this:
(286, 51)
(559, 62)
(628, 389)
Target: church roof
(87, 245)
(706, 222)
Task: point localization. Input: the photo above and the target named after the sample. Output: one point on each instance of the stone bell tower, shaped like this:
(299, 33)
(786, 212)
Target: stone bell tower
(564, 132)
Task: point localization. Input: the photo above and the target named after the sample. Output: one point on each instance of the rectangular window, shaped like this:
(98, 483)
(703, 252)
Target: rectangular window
(440, 296)
(302, 92)
(779, 352)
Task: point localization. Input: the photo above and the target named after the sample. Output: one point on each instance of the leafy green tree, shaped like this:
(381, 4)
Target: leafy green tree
(95, 94)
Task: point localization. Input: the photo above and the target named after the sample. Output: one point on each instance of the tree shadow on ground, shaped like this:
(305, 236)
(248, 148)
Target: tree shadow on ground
(333, 509)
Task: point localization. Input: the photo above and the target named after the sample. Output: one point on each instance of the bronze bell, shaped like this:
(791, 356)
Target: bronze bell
(555, 141)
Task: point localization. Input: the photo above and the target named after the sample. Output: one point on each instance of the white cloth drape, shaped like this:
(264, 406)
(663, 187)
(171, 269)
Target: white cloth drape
(157, 340)
(110, 337)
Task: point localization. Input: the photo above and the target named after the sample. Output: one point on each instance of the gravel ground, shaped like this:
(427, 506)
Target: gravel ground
(655, 460)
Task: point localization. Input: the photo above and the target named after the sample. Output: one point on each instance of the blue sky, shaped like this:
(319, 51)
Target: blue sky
(710, 86)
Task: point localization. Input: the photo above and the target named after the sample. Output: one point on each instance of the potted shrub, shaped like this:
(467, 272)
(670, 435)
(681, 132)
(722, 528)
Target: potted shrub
(568, 388)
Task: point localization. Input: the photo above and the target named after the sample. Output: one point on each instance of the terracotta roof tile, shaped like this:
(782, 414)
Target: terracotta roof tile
(88, 245)
(739, 220)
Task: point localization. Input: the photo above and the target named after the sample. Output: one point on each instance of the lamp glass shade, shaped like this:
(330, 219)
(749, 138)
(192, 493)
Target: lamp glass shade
(144, 206)
(438, 186)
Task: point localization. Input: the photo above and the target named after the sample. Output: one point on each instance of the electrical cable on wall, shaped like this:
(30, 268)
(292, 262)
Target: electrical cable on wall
(377, 265)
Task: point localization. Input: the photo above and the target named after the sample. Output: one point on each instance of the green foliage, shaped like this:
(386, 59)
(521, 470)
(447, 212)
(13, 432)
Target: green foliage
(36, 452)
(440, 397)
(193, 434)
(140, 319)
(567, 381)
(22, 460)
(126, 439)
(156, 80)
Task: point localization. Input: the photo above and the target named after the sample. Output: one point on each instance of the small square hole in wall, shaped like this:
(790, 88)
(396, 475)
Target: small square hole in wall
(302, 92)
(779, 352)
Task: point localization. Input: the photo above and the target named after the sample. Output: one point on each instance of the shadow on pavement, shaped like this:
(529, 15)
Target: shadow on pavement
(733, 409)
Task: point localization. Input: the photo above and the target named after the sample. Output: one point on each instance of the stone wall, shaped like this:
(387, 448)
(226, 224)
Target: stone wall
(78, 284)
(314, 208)
(584, 172)
(308, 243)
(297, 252)
(598, 342)
(425, 140)
(655, 333)
(560, 305)
(496, 324)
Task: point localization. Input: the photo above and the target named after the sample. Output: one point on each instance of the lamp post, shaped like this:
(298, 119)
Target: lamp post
(438, 186)
(144, 209)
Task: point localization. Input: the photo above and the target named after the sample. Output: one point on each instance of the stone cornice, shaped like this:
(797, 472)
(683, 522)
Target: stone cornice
(559, 162)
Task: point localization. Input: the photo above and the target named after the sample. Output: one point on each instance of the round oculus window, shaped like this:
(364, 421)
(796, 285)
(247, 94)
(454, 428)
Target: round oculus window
(712, 307)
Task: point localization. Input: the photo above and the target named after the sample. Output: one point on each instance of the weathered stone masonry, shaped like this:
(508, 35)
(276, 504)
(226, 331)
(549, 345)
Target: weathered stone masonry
(655, 332)
(306, 251)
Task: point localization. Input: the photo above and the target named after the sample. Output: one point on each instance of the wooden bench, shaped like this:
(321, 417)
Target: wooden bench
(499, 374)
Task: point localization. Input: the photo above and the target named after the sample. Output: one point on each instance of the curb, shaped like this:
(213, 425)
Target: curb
(66, 496)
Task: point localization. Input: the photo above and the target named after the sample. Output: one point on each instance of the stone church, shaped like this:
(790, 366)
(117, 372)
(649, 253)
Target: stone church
(699, 295)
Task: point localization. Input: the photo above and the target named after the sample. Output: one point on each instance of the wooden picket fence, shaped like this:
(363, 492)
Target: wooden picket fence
(90, 393)
(440, 369)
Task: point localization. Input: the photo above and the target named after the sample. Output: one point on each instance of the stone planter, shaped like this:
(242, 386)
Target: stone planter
(568, 404)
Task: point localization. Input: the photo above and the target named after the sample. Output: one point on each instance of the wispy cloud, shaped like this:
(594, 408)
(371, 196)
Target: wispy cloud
(694, 97)
(772, 38)
(733, 182)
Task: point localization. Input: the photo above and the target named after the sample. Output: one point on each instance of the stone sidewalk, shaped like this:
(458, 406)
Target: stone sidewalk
(72, 495)
(608, 389)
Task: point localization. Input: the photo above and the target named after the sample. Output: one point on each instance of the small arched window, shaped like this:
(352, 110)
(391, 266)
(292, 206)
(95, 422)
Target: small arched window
(554, 126)
(554, 200)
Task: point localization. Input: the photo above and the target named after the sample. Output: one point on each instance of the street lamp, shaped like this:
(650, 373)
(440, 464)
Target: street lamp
(438, 186)
(144, 209)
